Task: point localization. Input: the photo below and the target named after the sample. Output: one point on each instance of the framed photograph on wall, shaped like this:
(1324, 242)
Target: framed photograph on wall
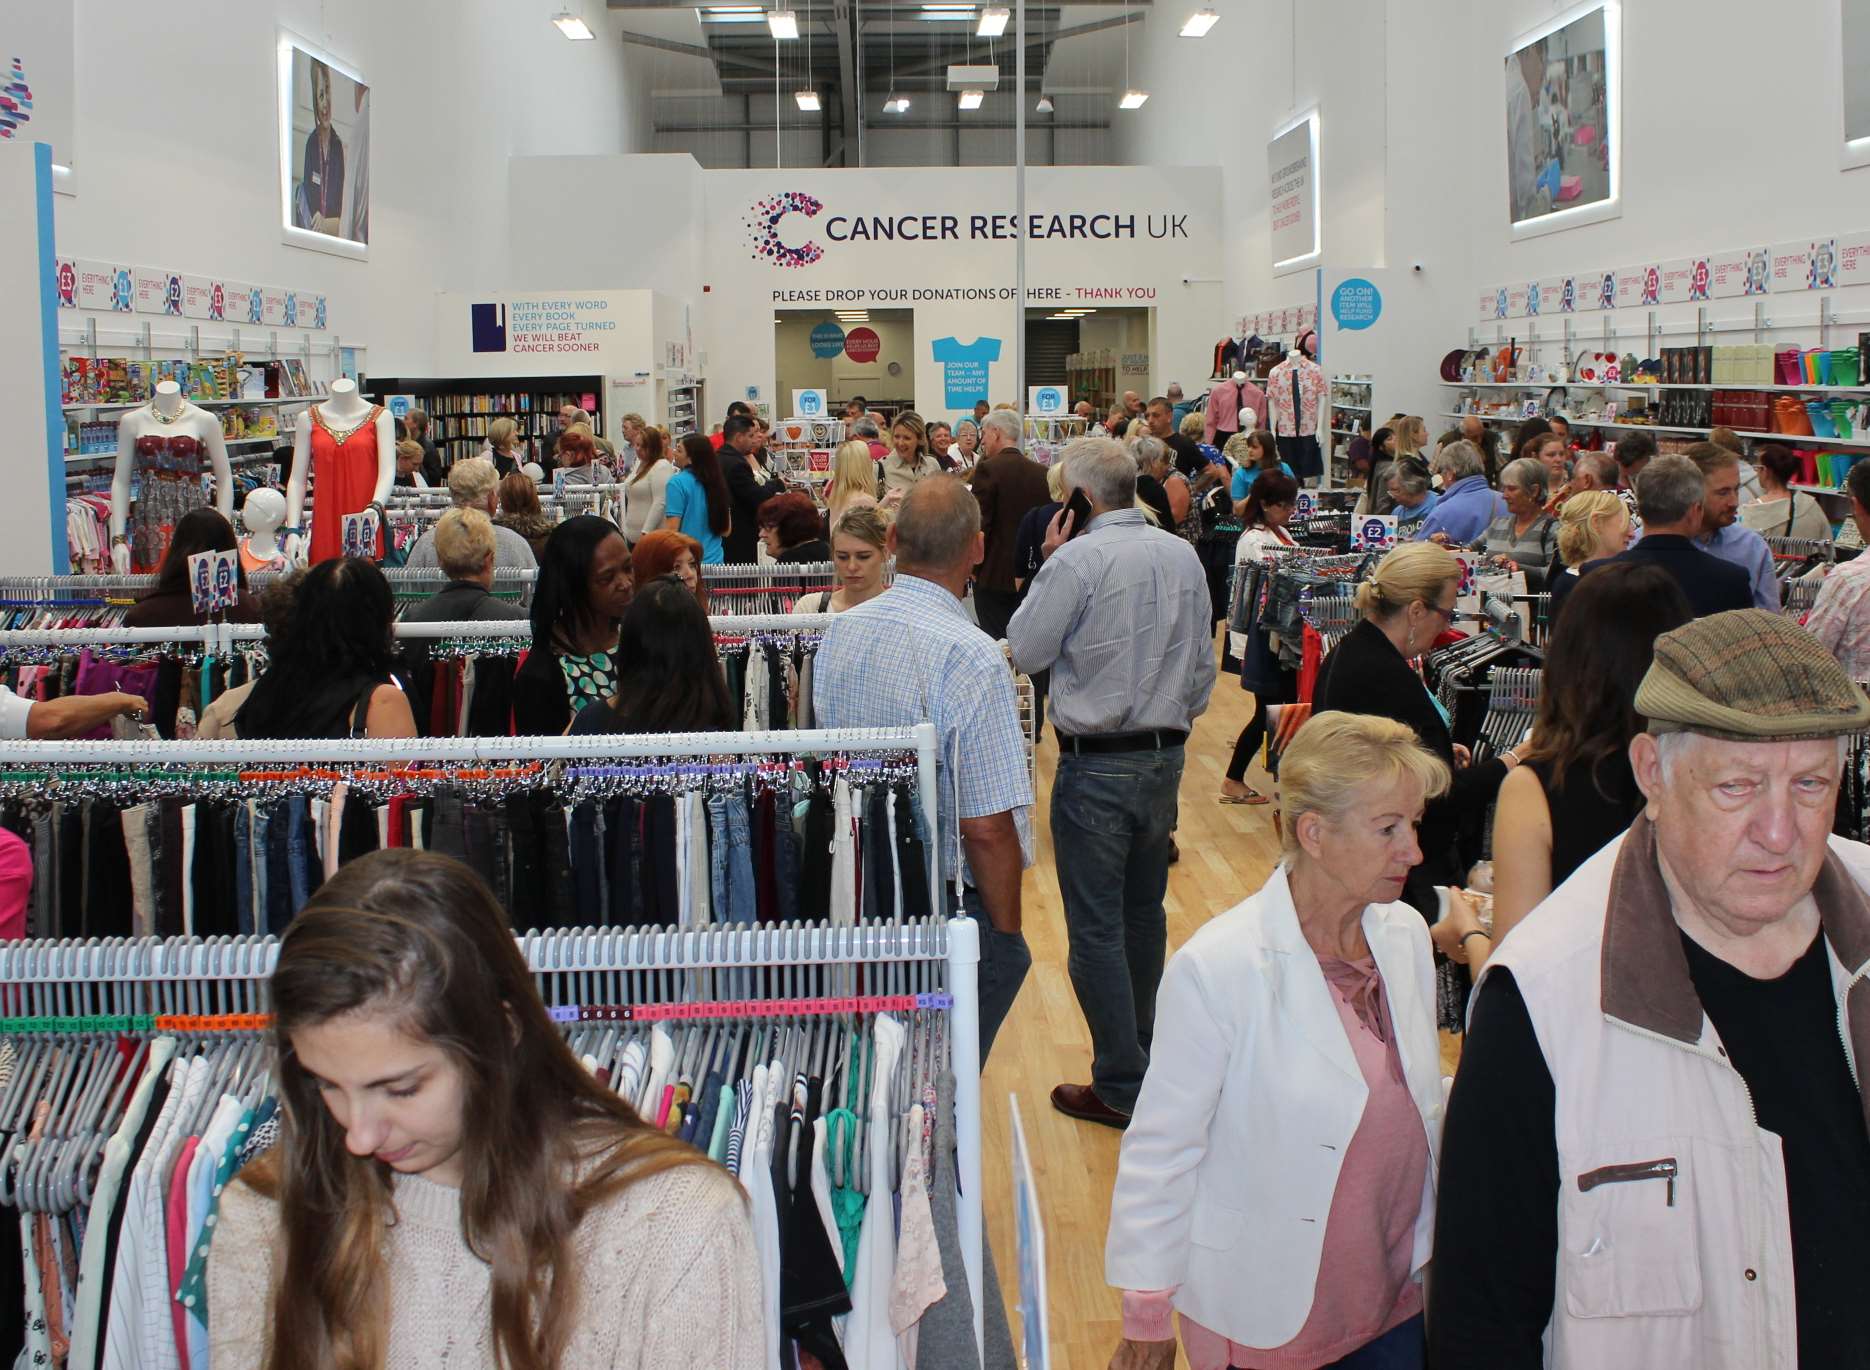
(1854, 61)
(1563, 112)
(324, 150)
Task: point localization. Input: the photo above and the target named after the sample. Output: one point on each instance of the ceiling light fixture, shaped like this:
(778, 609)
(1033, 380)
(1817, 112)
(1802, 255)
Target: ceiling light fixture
(782, 24)
(993, 21)
(896, 104)
(1133, 99)
(572, 26)
(970, 99)
(807, 99)
(973, 76)
(1044, 106)
(1199, 23)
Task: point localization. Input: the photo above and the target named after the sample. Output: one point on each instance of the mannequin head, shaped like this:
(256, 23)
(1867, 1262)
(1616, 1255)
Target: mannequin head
(261, 515)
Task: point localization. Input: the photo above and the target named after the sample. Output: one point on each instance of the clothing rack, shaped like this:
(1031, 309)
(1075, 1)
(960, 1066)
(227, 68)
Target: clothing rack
(187, 987)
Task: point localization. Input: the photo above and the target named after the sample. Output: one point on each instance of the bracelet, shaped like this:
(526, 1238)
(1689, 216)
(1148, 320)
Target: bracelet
(1476, 933)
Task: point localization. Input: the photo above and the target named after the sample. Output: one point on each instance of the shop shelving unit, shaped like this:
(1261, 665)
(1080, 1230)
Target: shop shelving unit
(460, 409)
(1350, 402)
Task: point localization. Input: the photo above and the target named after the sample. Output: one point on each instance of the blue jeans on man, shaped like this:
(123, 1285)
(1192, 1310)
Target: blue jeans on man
(1004, 961)
(1113, 815)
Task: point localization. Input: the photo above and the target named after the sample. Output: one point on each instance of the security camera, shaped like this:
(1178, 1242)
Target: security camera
(1416, 267)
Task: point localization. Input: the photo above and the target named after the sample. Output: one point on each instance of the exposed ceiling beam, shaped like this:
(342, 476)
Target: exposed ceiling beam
(842, 22)
(987, 125)
(724, 59)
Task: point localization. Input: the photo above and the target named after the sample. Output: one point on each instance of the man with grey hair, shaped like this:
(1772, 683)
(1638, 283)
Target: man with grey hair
(1669, 493)
(1007, 483)
(910, 656)
(1467, 504)
(866, 430)
(474, 484)
(1120, 615)
(1655, 1153)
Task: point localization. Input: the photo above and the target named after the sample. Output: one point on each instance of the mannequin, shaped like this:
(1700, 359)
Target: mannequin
(162, 442)
(353, 444)
(262, 516)
(1295, 393)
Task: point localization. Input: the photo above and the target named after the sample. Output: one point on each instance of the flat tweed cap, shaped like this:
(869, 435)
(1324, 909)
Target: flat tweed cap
(1749, 676)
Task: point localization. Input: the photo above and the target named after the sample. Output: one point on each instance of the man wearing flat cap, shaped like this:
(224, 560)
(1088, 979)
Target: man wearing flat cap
(1655, 1155)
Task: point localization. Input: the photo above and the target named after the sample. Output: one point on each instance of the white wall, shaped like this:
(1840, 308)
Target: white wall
(176, 146)
(797, 368)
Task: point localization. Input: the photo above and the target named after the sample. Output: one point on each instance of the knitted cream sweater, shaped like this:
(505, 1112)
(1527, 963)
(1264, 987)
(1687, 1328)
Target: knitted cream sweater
(670, 1278)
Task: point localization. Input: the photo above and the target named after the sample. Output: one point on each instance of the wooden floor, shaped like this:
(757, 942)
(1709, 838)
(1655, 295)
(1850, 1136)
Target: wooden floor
(1227, 852)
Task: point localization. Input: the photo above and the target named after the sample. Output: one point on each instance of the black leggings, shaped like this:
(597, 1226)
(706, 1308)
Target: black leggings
(1254, 733)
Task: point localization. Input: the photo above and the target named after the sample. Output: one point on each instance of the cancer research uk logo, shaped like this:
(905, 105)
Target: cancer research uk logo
(763, 229)
(15, 101)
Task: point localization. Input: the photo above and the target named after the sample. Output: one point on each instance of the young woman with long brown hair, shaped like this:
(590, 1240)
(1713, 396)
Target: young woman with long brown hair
(450, 1184)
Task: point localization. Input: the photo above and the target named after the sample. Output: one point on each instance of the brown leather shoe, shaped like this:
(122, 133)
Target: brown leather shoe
(1079, 1101)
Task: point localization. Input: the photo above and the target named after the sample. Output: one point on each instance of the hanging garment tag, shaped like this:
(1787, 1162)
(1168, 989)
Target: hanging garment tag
(213, 582)
(360, 534)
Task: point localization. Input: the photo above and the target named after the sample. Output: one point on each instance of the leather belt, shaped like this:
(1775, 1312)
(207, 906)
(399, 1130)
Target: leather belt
(1154, 740)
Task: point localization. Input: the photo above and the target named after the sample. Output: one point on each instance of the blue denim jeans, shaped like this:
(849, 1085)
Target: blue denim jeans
(730, 859)
(243, 870)
(1400, 1348)
(1004, 961)
(1112, 816)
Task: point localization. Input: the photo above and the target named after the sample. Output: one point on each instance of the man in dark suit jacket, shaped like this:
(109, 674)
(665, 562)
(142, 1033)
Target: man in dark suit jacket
(1007, 484)
(1668, 495)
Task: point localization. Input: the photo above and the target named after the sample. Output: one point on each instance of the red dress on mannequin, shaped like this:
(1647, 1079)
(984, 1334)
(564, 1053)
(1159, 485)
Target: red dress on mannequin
(344, 480)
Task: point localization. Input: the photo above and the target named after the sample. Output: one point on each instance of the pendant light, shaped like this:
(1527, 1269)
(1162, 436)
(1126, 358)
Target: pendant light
(1132, 97)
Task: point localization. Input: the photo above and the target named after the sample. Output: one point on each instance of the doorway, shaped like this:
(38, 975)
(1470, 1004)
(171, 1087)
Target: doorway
(845, 353)
(1097, 354)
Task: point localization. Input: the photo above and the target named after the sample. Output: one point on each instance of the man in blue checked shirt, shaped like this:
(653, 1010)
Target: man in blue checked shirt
(912, 655)
(1120, 615)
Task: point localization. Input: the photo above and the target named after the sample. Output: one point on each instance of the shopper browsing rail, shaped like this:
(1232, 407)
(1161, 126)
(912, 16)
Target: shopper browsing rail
(331, 669)
(859, 550)
(911, 655)
(1722, 535)
(521, 512)
(1576, 792)
(1780, 511)
(464, 545)
(1277, 1184)
(170, 602)
(1594, 526)
(1669, 496)
(908, 461)
(645, 493)
(669, 677)
(1268, 509)
(1406, 604)
(450, 1183)
(749, 485)
(1525, 535)
(1467, 505)
(473, 484)
(1119, 614)
(791, 529)
(661, 553)
(1841, 617)
(1657, 1120)
(696, 503)
(584, 587)
(1411, 498)
(1008, 485)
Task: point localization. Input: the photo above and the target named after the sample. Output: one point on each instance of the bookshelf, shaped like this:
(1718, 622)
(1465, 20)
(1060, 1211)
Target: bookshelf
(461, 408)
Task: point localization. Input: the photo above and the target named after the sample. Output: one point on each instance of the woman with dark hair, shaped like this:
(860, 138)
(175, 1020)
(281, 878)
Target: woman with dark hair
(1376, 496)
(331, 660)
(1576, 791)
(671, 680)
(792, 530)
(169, 604)
(696, 502)
(449, 1182)
(1268, 508)
(1528, 432)
(1781, 511)
(583, 589)
(521, 511)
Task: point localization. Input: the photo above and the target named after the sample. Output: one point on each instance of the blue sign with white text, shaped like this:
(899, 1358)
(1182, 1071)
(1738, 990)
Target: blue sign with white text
(827, 340)
(1356, 304)
(964, 369)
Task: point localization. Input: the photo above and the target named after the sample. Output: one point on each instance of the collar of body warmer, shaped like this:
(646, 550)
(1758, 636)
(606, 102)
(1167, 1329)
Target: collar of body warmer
(1644, 971)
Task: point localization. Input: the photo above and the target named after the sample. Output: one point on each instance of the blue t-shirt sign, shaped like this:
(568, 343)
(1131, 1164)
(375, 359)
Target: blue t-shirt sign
(964, 369)
(1356, 304)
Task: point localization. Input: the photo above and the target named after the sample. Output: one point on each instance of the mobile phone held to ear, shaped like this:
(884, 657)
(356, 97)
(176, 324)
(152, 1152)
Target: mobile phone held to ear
(1079, 506)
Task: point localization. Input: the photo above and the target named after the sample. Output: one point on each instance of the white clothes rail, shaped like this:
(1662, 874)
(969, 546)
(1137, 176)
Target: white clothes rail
(919, 738)
(80, 978)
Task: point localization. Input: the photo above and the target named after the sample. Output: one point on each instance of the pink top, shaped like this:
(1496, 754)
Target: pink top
(176, 1219)
(1364, 1287)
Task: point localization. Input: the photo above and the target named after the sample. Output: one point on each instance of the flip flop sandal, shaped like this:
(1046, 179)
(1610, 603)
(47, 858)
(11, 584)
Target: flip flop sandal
(1252, 796)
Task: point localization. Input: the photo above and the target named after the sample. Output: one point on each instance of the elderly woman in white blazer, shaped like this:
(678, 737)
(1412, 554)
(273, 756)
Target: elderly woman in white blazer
(1276, 1185)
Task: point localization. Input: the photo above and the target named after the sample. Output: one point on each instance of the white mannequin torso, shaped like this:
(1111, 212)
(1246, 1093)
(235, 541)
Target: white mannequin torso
(169, 414)
(344, 411)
